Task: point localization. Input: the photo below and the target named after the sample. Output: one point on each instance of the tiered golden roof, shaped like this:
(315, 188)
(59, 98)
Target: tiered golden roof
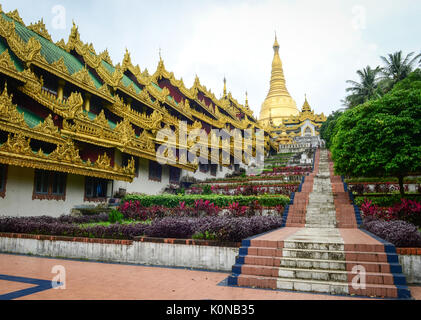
(128, 106)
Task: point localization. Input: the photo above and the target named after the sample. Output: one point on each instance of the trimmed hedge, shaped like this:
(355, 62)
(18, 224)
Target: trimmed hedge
(224, 228)
(172, 201)
(385, 201)
(382, 180)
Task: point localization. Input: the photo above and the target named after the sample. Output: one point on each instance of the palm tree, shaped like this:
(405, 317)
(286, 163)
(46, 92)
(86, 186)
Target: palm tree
(398, 68)
(364, 90)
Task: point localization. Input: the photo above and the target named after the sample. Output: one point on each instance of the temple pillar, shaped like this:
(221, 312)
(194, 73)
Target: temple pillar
(60, 89)
(88, 102)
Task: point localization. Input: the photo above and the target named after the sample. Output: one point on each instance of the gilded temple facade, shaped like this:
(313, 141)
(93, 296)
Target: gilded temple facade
(77, 129)
(279, 112)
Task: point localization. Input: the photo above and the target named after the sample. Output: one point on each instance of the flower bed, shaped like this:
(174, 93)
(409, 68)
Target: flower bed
(398, 224)
(251, 178)
(382, 180)
(220, 228)
(407, 210)
(385, 201)
(400, 233)
(248, 189)
(173, 201)
(134, 210)
(379, 187)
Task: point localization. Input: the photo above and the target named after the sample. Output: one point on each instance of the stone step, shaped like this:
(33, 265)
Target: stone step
(329, 246)
(330, 275)
(331, 225)
(340, 255)
(314, 254)
(321, 216)
(339, 288)
(375, 267)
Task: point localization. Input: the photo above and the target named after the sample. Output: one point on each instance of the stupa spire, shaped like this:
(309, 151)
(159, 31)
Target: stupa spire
(278, 104)
(277, 81)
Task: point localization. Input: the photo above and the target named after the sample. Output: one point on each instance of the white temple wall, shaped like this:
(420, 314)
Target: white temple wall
(19, 190)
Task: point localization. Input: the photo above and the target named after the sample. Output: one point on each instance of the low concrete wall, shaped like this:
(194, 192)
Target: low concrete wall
(136, 252)
(411, 267)
(151, 253)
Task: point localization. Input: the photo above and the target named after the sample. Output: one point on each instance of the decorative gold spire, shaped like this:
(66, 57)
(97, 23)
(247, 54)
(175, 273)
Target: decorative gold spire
(278, 105)
(306, 105)
(225, 87)
(247, 100)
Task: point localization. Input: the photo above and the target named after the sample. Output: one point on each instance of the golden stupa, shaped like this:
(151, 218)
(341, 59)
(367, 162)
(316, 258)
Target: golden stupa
(279, 104)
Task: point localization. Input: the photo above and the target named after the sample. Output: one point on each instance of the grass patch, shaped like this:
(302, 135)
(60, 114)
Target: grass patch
(107, 223)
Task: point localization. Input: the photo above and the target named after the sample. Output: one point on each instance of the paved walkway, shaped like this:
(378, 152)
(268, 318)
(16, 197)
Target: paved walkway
(101, 281)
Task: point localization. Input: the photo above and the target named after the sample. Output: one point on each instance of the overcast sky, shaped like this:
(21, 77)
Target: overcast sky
(322, 43)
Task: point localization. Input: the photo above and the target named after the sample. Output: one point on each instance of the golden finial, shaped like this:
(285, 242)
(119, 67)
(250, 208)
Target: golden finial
(276, 44)
(247, 100)
(225, 87)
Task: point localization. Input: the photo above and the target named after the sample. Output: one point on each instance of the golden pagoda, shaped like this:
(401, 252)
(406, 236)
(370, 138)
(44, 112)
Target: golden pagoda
(279, 104)
(280, 114)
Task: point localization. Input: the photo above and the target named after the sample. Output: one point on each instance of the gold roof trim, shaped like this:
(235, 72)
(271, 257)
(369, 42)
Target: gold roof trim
(8, 68)
(18, 152)
(12, 120)
(40, 29)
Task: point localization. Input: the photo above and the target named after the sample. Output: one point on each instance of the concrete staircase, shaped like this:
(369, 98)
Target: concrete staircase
(316, 258)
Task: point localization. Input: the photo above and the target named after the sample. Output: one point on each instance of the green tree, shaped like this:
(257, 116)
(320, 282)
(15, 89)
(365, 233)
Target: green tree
(397, 67)
(364, 90)
(327, 130)
(382, 137)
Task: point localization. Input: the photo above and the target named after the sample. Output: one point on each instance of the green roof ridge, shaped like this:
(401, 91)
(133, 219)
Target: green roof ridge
(50, 51)
(31, 119)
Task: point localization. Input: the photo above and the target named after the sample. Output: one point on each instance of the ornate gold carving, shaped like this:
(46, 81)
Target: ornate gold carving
(6, 61)
(13, 121)
(60, 65)
(65, 108)
(151, 122)
(84, 77)
(161, 72)
(106, 57)
(40, 29)
(8, 67)
(15, 16)
(17, 151)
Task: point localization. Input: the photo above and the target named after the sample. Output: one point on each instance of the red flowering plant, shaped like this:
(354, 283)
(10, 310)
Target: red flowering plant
(254, 209)
(371, 212)
(236, 210)
(202, 207)
(195, 190)
(279, 210)
(407, 210)
(134, 210)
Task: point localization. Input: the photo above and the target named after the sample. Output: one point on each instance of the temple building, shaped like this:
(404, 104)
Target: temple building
(280, 115)
(77, 129)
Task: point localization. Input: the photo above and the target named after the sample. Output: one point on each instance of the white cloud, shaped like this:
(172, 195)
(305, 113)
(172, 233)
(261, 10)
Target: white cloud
(321, 47)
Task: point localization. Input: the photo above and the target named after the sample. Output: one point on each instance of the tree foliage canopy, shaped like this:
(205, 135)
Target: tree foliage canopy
(327, 130)
(382, 137)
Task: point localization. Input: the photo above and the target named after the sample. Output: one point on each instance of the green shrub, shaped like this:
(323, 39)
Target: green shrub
(205, 236)
(172, 201)
(115, 216)
(385, 201)
(206, 189)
